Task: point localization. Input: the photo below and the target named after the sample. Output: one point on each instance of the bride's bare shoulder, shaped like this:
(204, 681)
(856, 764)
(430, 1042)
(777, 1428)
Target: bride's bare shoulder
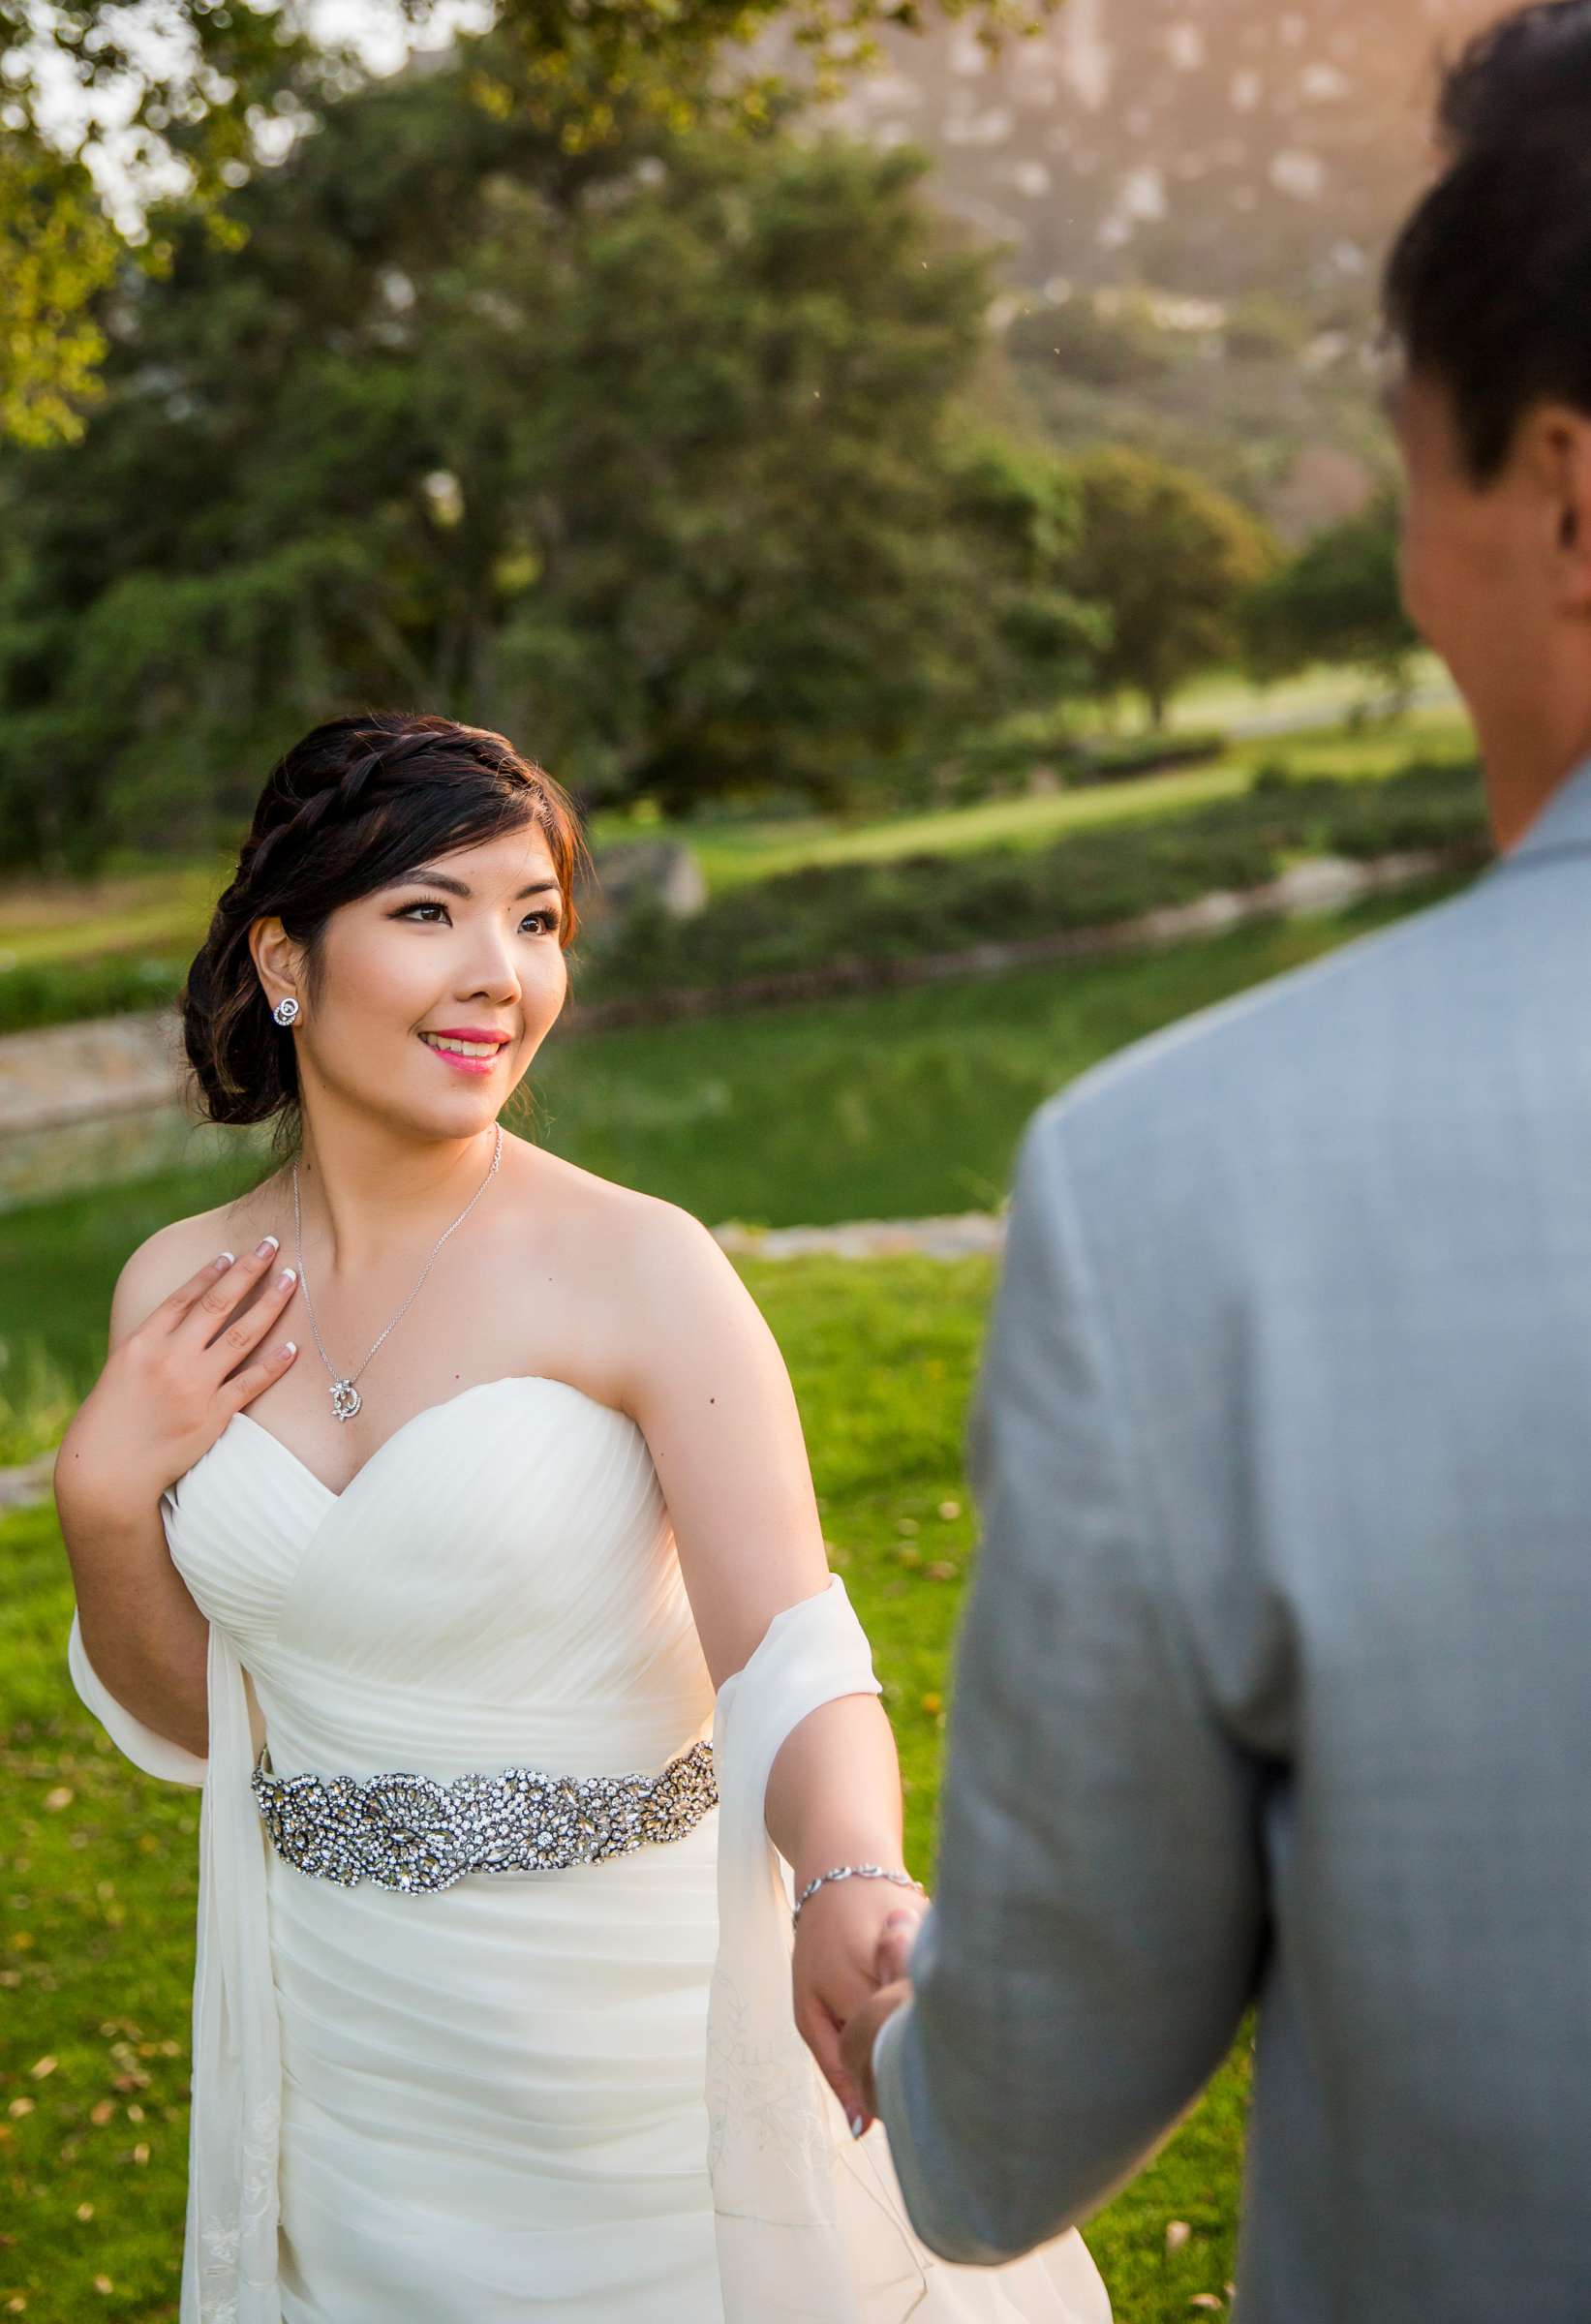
(619, 1226)
(174, 1252)
(658, 1295)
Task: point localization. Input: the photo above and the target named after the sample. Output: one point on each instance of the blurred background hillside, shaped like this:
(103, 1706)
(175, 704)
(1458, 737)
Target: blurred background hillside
(1194, 196)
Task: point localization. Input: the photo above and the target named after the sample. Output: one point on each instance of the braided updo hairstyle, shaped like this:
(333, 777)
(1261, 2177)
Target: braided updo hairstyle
(359, 801)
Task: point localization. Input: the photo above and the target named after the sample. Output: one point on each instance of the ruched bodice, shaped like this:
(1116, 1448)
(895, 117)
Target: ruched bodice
(498, 1582)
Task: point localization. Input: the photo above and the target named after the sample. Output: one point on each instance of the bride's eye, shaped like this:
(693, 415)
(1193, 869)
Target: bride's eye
(434, 904)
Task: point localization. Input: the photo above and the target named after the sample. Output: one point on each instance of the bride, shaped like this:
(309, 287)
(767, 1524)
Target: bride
(443, 1510)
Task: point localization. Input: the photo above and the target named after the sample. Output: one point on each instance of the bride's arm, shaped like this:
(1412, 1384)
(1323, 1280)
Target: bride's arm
(706, 1383)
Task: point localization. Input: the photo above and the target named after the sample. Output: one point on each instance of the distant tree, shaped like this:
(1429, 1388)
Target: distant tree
(1089, 342)
(1166, 559)
(1339, 601)
(1019, 504)
(1261, 328)
(205, 90)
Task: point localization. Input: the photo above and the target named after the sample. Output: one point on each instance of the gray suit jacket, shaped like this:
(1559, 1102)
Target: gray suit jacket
(1273, 1683)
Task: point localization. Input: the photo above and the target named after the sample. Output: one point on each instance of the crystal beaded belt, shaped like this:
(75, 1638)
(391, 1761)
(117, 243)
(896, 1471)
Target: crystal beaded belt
(407, 1831)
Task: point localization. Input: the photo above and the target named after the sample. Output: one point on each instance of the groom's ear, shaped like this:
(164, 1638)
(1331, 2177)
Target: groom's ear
(1553, 461)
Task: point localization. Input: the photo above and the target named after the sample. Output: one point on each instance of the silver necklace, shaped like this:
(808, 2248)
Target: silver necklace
(345, 1396)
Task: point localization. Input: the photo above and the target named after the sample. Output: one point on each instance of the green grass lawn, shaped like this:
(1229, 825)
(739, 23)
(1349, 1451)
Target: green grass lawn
(99, 1875)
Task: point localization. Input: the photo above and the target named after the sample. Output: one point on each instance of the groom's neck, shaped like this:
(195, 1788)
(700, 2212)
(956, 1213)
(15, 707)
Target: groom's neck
(1525, 768)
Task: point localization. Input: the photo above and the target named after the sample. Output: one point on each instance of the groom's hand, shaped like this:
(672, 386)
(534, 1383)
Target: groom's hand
(861, 2029)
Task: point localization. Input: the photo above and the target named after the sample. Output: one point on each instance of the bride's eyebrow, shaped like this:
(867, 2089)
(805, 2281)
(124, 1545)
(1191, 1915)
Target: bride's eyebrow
(462, 887)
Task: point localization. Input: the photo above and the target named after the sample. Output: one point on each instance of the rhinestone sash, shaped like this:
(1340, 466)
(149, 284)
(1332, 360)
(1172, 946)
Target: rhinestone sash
(410, 1832)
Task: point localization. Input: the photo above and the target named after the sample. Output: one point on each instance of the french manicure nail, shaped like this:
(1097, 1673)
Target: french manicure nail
(225, 1259)
(859, 2123)
(264, 1250)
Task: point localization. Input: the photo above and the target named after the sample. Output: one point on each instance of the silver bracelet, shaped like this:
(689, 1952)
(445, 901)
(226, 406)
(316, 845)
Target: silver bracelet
(844, 1871)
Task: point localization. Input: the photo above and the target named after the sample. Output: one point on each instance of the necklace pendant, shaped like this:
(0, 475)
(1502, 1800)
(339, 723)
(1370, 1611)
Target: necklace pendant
(345, 1399)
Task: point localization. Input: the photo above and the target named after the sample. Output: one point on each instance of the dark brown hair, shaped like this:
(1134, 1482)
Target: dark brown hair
(1488, 287)
(359, 801)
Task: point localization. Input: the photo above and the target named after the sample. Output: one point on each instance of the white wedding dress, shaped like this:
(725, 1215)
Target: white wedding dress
(574, 2095)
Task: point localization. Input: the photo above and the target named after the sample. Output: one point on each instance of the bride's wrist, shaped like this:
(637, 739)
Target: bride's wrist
(847, 1847)
(885, 1883)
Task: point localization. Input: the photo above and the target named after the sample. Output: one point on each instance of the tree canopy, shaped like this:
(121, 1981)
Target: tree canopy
(651, 455)
(203, 91)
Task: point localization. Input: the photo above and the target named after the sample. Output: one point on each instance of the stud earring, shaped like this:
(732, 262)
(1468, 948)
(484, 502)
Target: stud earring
(285, 1010)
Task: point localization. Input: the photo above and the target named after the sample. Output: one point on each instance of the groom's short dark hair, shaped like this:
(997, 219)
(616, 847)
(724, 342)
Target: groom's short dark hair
(1488, 285)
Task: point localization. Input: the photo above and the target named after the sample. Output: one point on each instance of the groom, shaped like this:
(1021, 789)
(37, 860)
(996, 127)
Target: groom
(1275, 1683)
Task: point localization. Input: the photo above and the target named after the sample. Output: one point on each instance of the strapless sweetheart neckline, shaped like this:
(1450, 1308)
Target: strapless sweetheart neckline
(444, 1404)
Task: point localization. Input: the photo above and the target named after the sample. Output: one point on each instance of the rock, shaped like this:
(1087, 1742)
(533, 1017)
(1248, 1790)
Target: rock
(81, 1072)
(631, 872)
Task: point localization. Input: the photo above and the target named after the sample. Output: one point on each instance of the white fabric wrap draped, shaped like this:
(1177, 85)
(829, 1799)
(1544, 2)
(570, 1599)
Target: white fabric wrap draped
(810, 2224)
(229, 2266)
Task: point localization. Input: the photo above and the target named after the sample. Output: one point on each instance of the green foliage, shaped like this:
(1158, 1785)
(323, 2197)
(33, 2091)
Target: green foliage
(1339, 599)
(65, 992)
(1168, 558)
(1261, 327)
(651, 459)
(895, 911)
(1014, 748)
(197, 83)
(56, 253)
(1094, 341)
(1019, 504)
